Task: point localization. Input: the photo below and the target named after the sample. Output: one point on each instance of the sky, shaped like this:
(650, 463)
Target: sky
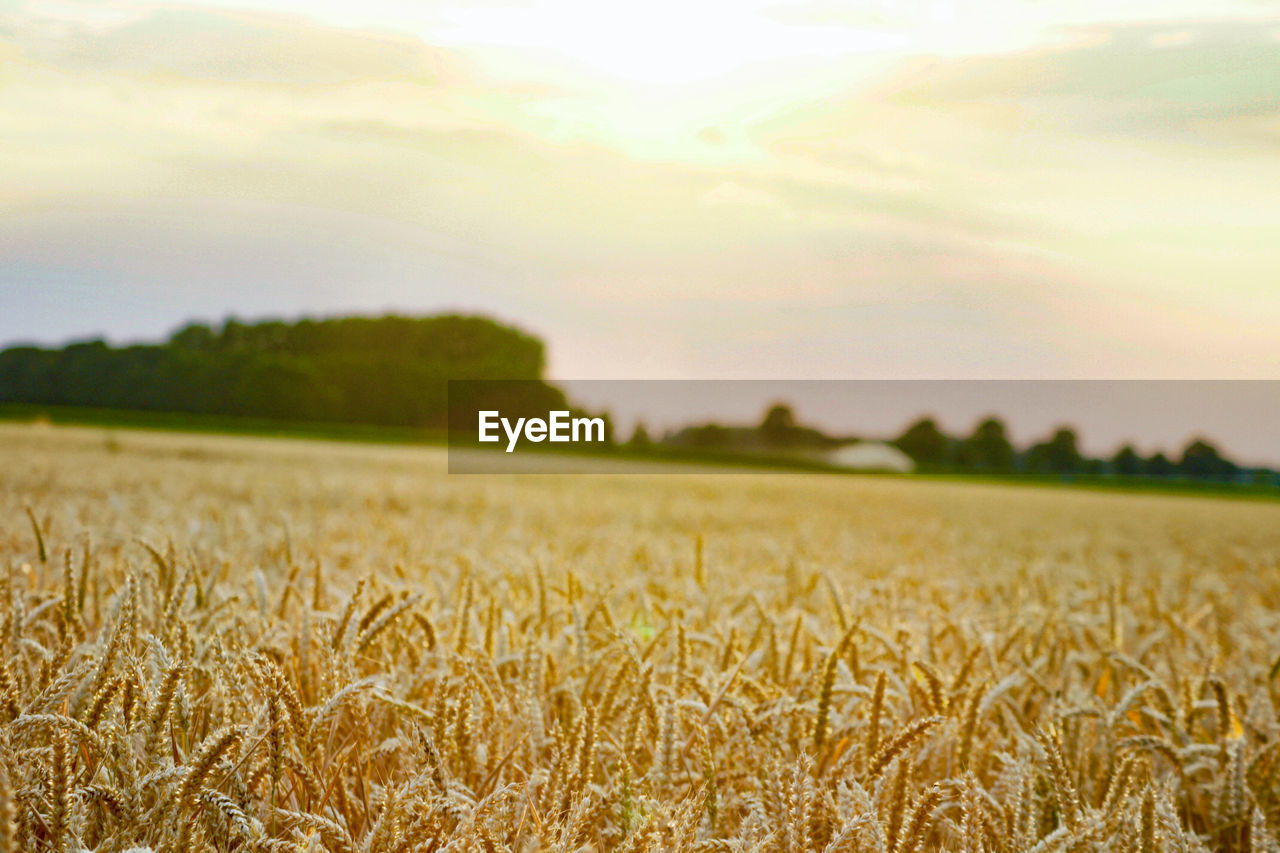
(812, 189)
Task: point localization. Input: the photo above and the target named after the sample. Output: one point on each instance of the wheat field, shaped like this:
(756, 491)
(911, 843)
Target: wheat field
(229, 644)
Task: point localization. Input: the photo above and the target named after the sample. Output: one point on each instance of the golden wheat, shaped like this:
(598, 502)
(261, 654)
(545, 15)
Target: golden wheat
(266, 646)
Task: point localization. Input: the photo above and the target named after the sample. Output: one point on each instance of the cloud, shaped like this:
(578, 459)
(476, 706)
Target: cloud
(735, 195)
(230, 46)
(1100, 208)
(1149, 80)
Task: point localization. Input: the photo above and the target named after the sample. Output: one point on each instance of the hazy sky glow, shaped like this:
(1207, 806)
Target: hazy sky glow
(725, 188)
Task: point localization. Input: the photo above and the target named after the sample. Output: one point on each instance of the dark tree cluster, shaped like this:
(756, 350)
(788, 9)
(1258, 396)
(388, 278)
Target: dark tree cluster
(389, 370)
(778, 431)
(988, 449)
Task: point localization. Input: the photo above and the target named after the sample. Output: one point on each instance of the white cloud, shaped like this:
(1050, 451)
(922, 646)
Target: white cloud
(734, 194)
(1098, 209)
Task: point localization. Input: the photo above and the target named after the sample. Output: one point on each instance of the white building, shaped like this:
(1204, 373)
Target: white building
(871, 456)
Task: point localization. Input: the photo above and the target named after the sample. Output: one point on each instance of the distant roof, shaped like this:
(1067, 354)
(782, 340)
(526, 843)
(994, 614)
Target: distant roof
(871, 456)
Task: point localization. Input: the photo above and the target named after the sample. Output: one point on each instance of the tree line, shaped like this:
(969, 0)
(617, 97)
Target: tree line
(388, 371)
(988, 449)
(394, 371)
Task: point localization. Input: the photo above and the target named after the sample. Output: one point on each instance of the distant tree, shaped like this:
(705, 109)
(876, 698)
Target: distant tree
(779, 424)
(1265, 477)
(925, 443)
(708, 435)
(1059, 455)
(194, 336)
(1127, 462)
(376, 370)
(640, 439)
(988, 448)
(1159, 465)
(1202, 461)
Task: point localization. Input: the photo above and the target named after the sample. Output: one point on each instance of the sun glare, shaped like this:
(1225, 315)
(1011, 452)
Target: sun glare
(661, 45)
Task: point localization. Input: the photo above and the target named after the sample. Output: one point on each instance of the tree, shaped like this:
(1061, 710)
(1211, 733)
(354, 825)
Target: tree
(1159, 465)
(779, 424)
(1202, 461)
(195, 336)
(988, 448)
(925, 443)
(375, 370)
(708, 436)
(1059, 455)
(1127, 462)
(640, 438)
